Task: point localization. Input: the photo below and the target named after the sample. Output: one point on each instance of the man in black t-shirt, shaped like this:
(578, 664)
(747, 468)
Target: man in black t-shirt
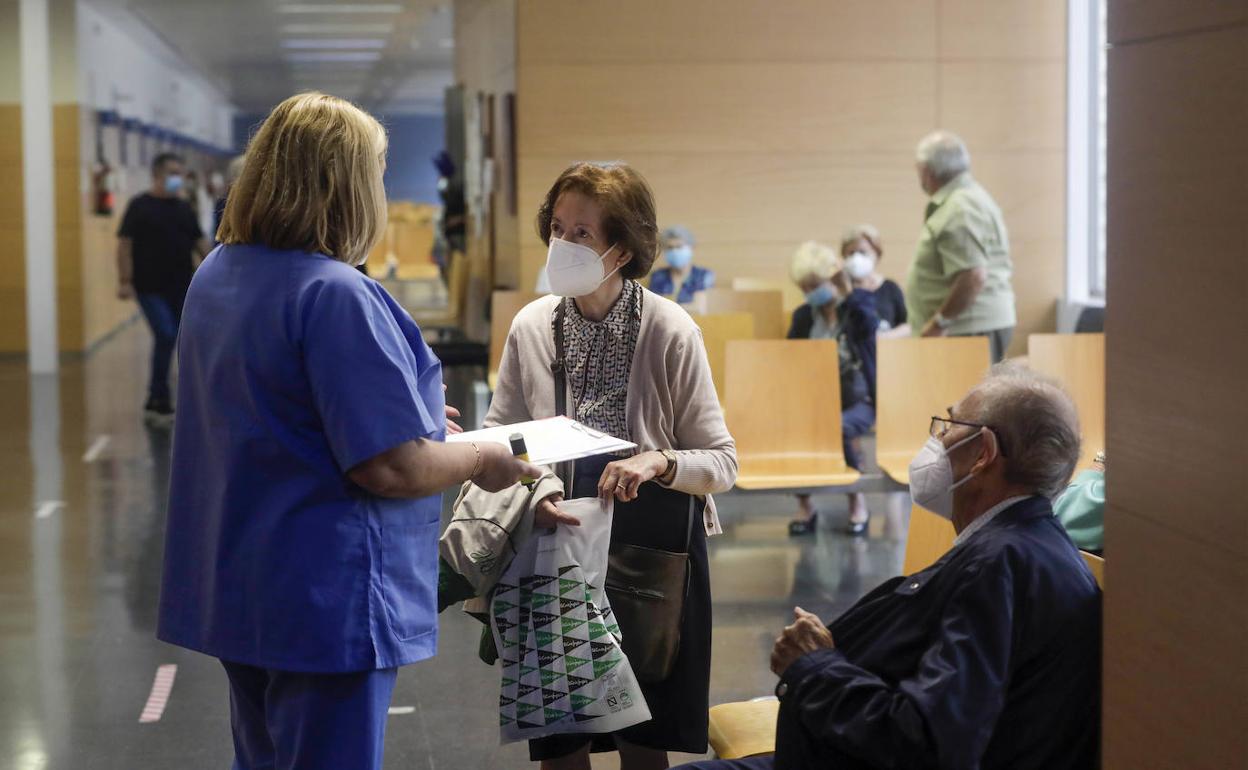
(159, 245)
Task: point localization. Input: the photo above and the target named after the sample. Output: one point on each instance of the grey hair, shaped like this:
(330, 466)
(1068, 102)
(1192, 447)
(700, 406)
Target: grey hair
(681, 232)
(1036, 424)
(944, 154)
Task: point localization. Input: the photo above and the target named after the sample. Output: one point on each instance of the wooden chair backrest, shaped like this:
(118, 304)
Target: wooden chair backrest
(1078, 362)
(917, 378)
(503, 308)
(782, 398)
(928, 538)
(717, 330)
(1097, 565)
(791, 296)
(766, 307)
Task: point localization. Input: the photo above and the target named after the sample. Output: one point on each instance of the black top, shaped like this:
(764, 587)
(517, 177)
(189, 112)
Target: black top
(990, 658)
(164, 232)
(890, 306)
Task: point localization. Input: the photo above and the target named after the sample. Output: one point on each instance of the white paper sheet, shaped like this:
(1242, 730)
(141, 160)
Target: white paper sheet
(549, 441)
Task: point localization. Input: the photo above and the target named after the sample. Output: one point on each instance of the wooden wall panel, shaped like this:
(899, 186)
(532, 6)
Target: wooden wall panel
(719, 31)
(1176, 628)
(763, 125)
(12, 233)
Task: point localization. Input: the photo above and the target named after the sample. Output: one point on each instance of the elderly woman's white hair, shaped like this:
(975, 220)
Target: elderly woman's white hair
(944, 154)
(813, 259)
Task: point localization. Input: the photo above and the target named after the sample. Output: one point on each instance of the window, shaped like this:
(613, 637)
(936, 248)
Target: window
(1086, 136)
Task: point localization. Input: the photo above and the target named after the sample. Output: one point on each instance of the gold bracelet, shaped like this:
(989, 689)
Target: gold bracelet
(476, 465)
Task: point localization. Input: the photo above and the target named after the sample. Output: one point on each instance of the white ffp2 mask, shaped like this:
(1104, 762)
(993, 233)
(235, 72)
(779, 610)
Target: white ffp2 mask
(575, 270)
(859, 265)
(931, 476)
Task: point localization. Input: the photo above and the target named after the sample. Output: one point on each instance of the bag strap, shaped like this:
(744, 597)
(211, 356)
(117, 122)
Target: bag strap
(558, 366)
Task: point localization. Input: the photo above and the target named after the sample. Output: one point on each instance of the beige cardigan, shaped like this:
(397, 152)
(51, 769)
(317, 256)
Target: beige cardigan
(671, 397)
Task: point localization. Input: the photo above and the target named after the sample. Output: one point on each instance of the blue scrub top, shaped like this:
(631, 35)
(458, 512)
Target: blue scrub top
(294, 368)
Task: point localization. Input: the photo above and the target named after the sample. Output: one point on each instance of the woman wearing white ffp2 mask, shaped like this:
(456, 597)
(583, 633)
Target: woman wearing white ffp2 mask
(633, 366)
(862, 249)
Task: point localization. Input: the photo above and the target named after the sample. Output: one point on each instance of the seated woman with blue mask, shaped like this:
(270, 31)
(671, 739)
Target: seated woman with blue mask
(681, 280)
(835, 309)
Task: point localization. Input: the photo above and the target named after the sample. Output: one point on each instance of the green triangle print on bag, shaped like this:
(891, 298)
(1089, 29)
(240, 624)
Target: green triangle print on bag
(557, 636)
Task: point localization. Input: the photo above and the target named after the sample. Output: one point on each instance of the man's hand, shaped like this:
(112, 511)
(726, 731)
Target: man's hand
(931, 329)
(125, 291)
(548, 515)
(807, 634)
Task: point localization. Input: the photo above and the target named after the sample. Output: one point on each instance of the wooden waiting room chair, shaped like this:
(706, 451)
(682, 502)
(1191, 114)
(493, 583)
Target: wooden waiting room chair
(766, 306)
(503, 308)
(917, 378)
(748, 728)
(1078, 362)
(782, 404)
(718, 329)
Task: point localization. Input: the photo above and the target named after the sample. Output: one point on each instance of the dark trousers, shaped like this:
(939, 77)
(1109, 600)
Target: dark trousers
(163, 314)
(998, 341)
(856, 421)
(293, 721)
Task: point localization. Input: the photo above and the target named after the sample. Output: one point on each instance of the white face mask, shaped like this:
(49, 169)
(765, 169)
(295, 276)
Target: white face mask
(575, 270)
(931, 476)
(859, 265)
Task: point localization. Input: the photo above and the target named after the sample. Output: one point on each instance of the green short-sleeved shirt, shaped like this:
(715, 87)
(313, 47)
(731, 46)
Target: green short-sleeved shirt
(964, 229)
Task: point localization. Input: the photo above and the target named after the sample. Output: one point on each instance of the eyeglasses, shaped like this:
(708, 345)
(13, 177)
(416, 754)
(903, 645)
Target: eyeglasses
(941, 426)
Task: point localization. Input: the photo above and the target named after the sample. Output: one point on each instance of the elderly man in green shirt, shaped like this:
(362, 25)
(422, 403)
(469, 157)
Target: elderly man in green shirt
(959, 283)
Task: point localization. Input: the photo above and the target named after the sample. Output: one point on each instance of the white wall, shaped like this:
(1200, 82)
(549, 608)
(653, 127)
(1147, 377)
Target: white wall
(124, 66)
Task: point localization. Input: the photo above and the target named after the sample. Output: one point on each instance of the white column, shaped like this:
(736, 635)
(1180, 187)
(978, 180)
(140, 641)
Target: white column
(37, 181)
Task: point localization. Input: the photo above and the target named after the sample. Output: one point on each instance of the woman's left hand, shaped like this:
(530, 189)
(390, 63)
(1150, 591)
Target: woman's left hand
(622, 478)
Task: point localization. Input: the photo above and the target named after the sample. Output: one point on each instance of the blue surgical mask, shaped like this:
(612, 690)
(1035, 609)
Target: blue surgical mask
(679, 257)
(173, 184)
(821, 295)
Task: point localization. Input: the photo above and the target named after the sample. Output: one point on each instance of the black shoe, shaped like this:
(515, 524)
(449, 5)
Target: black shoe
(855, 528)
(158, 410)
(798, 528)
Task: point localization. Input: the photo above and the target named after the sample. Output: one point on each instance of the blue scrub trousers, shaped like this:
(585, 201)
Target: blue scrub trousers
(285, 720)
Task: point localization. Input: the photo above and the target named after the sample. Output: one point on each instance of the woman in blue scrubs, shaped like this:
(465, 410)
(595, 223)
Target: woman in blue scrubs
(301, 547)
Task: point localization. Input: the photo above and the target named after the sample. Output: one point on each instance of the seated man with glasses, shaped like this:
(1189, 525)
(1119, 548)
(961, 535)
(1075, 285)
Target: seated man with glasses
(989, 658)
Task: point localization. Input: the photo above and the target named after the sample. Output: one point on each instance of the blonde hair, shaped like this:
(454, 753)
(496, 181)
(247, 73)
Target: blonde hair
(813, 259)
(863, 232)
(311, 180)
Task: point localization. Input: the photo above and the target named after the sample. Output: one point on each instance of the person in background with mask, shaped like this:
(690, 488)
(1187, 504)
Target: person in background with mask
(862, 249)
(232, 173)
(837, 310)
(681, 280)
(991, 657)
(159, 245)
(635, 368)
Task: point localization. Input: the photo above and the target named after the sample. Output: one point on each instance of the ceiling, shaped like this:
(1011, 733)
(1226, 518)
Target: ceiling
(389, 57)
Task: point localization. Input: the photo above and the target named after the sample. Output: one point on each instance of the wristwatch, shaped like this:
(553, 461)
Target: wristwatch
(942, 322)
(670, 471)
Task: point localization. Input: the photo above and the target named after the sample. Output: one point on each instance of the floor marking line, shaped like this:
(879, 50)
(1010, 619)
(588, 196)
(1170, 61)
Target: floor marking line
(48, 507)
(97, 448)
(162, 686)
(402, 709)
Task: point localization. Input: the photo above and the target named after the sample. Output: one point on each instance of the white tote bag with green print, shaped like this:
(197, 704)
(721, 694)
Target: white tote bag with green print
(562, 667)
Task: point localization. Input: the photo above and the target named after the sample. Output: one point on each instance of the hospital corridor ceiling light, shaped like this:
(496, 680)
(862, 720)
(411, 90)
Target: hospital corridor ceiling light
(337, 28)
(334, 56)
(336, 44)
(340, 8)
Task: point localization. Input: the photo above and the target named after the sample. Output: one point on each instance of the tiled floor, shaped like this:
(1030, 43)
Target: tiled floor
(78, 589)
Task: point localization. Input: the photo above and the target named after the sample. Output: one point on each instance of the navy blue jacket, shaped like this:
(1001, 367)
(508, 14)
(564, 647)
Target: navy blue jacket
(859, 322)
(990, 658)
